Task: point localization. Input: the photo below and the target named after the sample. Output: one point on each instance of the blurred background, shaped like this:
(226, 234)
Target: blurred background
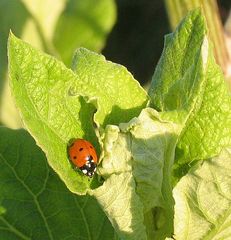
(137, 39)
(129, 32)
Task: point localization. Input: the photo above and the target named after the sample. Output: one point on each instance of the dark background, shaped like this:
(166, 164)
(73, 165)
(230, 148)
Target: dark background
(137, 38)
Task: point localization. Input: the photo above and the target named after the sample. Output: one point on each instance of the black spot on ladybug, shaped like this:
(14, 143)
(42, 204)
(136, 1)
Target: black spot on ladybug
(74, 157)
(91, 147)
(81, 149)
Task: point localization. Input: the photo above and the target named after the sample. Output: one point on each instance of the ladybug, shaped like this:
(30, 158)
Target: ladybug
(83, 155)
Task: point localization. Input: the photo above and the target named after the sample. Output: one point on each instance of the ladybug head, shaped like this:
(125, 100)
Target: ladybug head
(89, 167)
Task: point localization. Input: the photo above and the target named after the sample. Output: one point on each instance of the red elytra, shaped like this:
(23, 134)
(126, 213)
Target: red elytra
(83, 155)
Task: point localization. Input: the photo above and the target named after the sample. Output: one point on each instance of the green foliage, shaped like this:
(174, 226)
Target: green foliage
(70, 24)
(50, 98)
(142, 152)
(83, 23)
(138, 157)
(191, 87)
(34, 202)
(203, 199)
(110, 84)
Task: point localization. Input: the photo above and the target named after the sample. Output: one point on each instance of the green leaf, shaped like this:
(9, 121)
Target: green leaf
(203, 200)
(210, 123)
(35, 204)
(119, 95)
(175, 81)
(187, 86)
(40, 85)
(83, 24)
(22, 19)
(33, 22)
(121, 204)
(136, 162)
(49, 97)
(69, 25)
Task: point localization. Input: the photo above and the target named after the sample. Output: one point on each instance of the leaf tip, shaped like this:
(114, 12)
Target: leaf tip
(11, 37)
(194, 18)
(11, 34)
(12, 40)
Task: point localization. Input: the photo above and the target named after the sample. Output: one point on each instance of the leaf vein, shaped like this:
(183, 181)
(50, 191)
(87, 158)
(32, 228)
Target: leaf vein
(33, 196)
(13, 229)
(84, 219)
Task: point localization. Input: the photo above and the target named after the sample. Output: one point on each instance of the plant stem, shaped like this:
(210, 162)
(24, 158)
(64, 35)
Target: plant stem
(177, 9)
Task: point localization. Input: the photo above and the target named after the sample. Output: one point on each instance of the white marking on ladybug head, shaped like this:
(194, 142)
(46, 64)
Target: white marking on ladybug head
(84, 171)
